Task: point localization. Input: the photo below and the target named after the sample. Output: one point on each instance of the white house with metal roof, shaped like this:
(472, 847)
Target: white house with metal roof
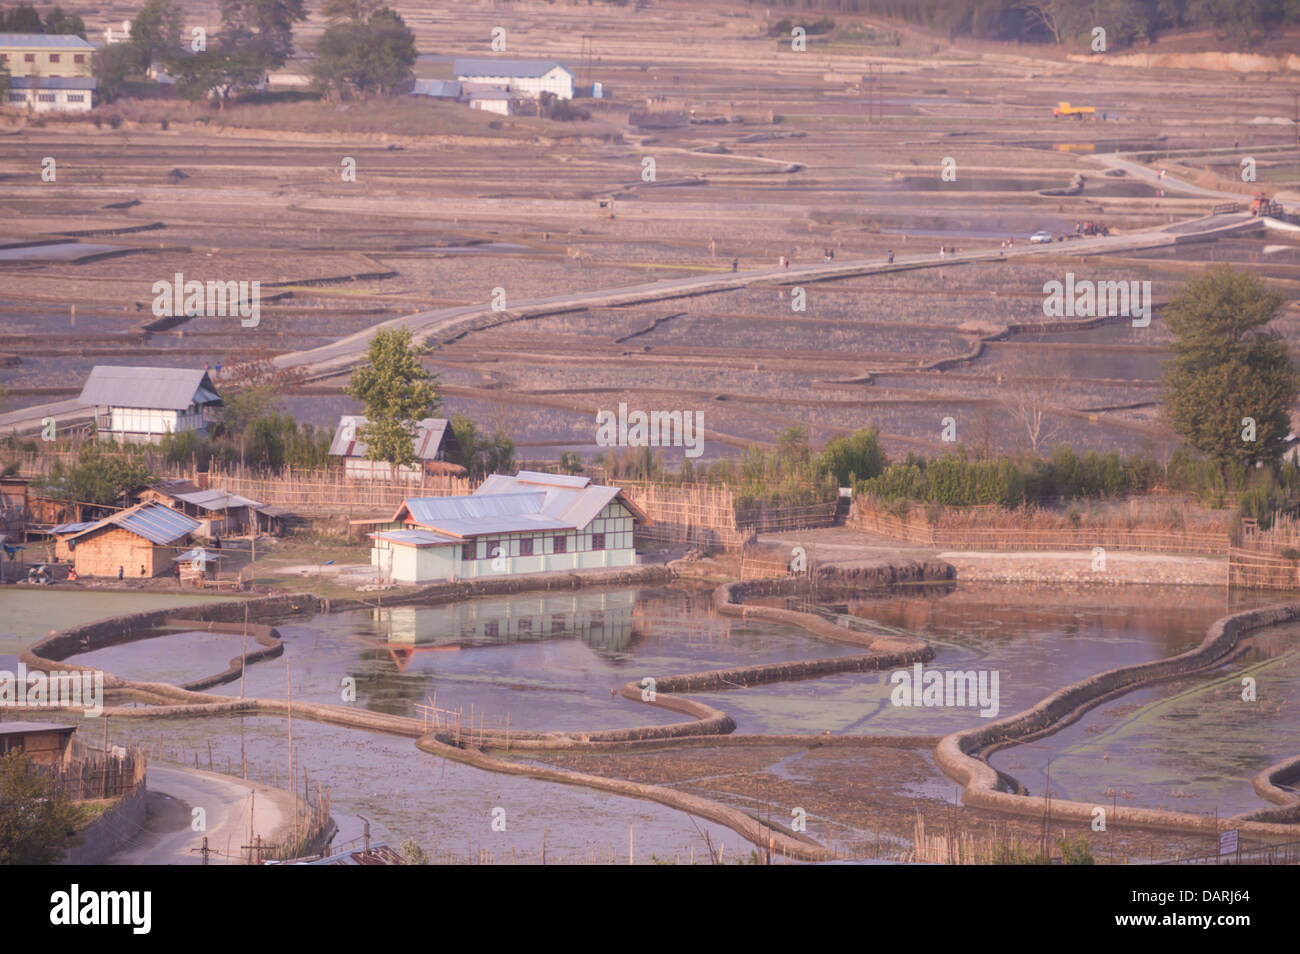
(528, 523)
(433, 442)
(528, 78)
(490, 99)
(140, 405)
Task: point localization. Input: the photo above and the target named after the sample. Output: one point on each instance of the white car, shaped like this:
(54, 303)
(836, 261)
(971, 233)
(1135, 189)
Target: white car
(1039, 237)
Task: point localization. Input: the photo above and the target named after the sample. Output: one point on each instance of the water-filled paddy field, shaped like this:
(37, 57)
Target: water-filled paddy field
(548, 662)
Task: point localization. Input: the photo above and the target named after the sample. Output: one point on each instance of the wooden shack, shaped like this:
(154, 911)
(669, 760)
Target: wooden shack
(219, 512)
(197, 566)
(141, 541)
(45, 743)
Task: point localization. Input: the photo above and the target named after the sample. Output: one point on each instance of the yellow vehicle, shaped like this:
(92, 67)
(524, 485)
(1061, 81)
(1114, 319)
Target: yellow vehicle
(1065, 109)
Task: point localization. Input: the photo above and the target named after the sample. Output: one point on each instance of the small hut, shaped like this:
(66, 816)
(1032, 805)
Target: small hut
(140, 541)
(196, 566)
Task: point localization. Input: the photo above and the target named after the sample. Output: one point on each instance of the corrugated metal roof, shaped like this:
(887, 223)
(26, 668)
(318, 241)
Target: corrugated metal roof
(64, 40)
(214, 500)
(169, 389)
(443, 89)
(415, 538)
(153, 521)
(491, 92)
(573, 499)
(197, 553)
(550, 480)
(505, 504)
(53, 82)
(504, 66)
(430, 434)
(20, 728)
(72, 527)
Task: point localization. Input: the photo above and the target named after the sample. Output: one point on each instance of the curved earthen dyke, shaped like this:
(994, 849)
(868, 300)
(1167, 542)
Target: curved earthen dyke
(751, 829)
(268, 637)
(963, 755)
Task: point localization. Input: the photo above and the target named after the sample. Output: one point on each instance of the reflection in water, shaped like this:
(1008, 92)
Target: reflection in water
(604, 621)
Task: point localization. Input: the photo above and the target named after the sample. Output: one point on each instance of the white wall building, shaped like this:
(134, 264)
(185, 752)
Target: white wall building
(528, 78)
(140, 405)
(433, 442)
(50, 94)
(529, 523)
(492, 99)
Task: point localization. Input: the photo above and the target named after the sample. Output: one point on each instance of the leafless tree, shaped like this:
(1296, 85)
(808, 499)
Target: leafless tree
(1027, 388)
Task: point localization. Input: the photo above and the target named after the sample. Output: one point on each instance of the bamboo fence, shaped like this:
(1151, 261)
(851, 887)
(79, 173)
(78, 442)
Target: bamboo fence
(87, 773)
(1258, 570)
(331, 493)
(707, 515)
(920, 532)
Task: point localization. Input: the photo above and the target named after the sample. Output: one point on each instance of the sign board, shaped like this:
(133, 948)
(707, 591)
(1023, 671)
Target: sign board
(1228, 842)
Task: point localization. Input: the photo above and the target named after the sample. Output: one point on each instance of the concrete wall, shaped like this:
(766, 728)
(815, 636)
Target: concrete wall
(111, 830)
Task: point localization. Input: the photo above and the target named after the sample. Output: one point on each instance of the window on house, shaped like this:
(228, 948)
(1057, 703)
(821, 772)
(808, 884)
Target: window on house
(467, 551)
(598, 541)
(47, 98)
(526, 546)
(79, 57)
(54, 57)
(17, 98)
(561, 544)
(29, 57)
(76, 97)
(525, 627)
(492, 628)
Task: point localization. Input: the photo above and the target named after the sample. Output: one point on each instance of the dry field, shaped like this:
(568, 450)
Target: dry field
(788, 155)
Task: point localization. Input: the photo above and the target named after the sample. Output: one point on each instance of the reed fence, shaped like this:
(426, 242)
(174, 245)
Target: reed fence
(920, 532)
(331, 493)
(87, 772)
(1258, 570)
(707, 514)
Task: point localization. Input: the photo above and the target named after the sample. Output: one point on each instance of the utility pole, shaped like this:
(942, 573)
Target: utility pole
(204, 851)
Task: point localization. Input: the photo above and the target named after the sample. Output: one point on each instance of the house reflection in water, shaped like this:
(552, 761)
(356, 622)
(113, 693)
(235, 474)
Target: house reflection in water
(603, 620)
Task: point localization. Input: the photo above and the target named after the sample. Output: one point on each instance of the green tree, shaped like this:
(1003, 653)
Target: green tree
(37, 822)
(56, 21)
(222, 69)
(1228, 366)
(110, 66)
(855, 457)
(261, 29)
(23, 19)
(101, 475)
(156, 32)
(397, 390)
(483, 454)
(364, 55)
